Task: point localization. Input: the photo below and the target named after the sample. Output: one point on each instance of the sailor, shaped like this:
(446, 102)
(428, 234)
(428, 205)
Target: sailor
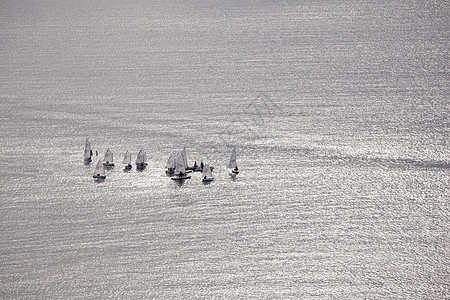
(201, 165)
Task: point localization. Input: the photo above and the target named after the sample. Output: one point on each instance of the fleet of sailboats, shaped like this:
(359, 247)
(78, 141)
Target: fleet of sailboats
(176, 166)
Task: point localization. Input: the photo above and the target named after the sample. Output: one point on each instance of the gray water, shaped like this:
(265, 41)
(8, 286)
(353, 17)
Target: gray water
(338, 111)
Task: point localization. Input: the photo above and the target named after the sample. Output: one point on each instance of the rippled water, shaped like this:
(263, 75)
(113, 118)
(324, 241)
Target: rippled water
(338, 111)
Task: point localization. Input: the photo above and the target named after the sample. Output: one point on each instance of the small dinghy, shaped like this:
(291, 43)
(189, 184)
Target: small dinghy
(141, 160)
(170, 165)
(180, 170)
(87, 152)
(99, 171)
(233, 163)
(207, 174)
(108, 161)
(127, 160)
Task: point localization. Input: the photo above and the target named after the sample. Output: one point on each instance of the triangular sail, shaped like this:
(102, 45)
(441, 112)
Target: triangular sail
(87, 150)
(144, 155)
(183, 155)
(233, 162)
(179, 165)
(140, 157)
(99, 169)
(171, 162)
(108, 156)
(206, 171)
(127, 158)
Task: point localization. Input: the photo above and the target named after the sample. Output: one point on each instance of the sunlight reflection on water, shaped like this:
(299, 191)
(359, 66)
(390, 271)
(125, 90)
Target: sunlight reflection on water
(339, 125)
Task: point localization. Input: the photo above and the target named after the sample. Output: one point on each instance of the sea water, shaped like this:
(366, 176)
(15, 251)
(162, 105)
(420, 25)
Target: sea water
(338, 111)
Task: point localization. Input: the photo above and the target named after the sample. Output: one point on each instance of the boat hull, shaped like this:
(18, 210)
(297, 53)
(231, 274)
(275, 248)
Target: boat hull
(108, 164)
(207, 179)
(180, 178)
(235, 172)
(99, 176)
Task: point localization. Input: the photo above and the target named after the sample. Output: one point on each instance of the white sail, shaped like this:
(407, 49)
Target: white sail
(108, 156)
(87, 150)
(179, 165)
(140, 157)
(206, 171)
(127, 158)
(99, 169)
(183, 155)
(233, 163)
(171, 162)
(145, 156)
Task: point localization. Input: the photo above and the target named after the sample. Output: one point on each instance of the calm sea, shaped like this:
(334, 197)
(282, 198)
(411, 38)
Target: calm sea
(338, 110)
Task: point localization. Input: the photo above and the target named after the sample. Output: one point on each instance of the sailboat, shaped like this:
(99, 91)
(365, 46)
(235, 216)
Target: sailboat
(183, 155)
(108, 160)
(87, 152)
(99, 171)
(207, 174)
(184, 159)
(180, 170)
(141, 160)
(127, 160)
(233, 163)
(170, 165)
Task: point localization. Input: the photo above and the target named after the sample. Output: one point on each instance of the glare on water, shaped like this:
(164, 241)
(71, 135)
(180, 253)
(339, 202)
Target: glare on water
(338, 112)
